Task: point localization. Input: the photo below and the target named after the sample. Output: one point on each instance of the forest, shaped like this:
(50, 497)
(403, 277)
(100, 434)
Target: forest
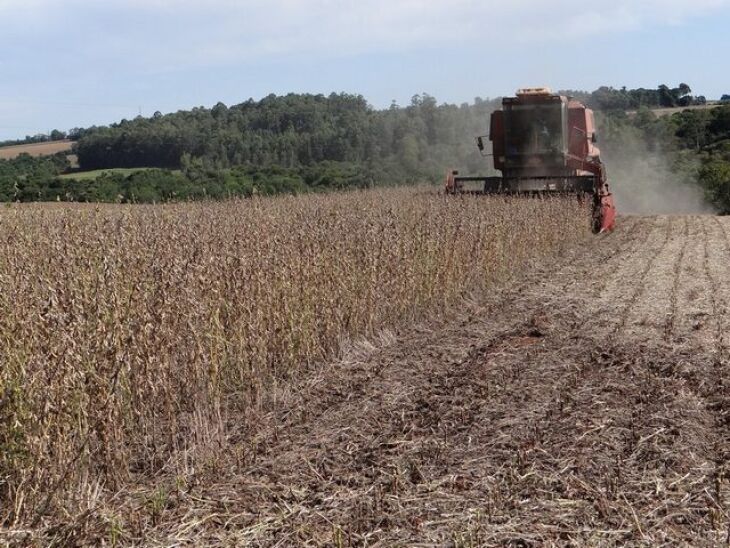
(301, 142)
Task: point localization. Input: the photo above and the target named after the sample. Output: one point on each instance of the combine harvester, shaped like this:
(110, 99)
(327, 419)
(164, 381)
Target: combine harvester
(544, 143)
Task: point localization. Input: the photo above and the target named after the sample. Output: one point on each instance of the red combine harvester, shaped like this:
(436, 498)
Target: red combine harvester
(544, 143)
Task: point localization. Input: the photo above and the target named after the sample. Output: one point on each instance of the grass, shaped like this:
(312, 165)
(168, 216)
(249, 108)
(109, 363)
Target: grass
(94, 174)
(128, 334)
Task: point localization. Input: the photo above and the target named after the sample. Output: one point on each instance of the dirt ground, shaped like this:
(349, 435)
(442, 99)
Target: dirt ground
(583, 405)
(35, 149)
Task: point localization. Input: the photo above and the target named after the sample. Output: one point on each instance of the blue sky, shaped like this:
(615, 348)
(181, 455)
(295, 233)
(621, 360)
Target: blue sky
(68, 63)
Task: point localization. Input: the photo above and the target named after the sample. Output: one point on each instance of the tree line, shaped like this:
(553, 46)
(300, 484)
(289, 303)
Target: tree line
(26, 178)
(410, 143)
(298, 142)
(607, 98)
(54, 135)
(42, 183)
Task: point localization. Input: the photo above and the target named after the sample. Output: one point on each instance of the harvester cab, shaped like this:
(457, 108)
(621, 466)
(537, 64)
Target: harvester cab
(544, 143)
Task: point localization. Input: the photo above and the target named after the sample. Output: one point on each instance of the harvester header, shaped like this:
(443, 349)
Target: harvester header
(544, 143)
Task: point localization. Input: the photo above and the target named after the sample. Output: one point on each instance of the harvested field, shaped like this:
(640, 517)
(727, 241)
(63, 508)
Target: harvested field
(581, 403)
(35, 149)
(668, 111)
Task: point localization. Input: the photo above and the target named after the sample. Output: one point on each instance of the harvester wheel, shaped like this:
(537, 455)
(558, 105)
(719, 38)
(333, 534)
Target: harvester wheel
(597, 222)
(597, 216)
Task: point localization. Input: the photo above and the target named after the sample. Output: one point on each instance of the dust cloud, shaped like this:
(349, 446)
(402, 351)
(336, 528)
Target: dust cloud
(642, 183)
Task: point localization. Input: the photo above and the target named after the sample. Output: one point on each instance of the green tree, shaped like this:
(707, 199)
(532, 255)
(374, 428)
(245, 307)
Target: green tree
(715, 177)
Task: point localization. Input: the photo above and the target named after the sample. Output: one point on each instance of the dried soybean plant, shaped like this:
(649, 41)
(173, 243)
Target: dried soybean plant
(128, 333)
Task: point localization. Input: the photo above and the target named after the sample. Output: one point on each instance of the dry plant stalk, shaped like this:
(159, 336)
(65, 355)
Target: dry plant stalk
(127, 333)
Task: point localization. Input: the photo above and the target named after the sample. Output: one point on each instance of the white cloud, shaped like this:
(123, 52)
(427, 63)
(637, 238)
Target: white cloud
(184, 33)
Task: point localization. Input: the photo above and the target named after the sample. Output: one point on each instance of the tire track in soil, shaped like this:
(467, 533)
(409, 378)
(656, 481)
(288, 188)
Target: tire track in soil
(707, 265)
(716, 260)
(694, 307)
(597, 396)
(534, 417)
(650, 308)
(721, 267)
(615, 282)
(681, 375)
(611, 279)
(635, 234)
(669, 328)
(637, 286)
